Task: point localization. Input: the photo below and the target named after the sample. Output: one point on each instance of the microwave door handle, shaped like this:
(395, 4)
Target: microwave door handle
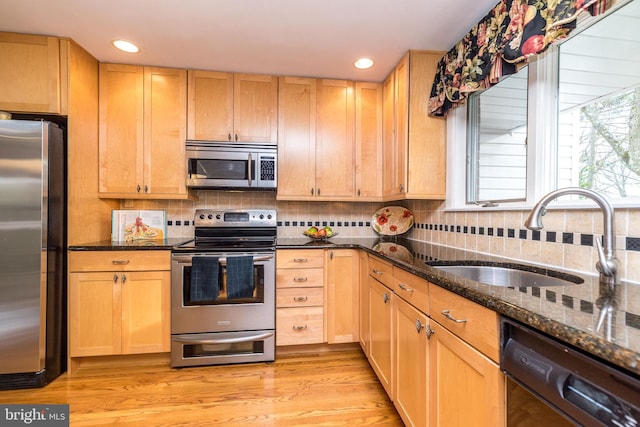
(250, 178)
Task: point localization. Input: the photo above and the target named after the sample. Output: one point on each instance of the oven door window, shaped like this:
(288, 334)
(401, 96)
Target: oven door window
(222, 285)
(221, 169)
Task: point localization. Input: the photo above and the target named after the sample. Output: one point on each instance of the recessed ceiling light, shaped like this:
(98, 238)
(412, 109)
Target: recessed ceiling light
(363, 63)
(126, 46)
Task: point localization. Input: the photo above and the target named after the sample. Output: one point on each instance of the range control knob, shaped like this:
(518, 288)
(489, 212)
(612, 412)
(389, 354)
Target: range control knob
(201, 216)
(218, 216)
(269, 216)
(261, 216)
(210, 216)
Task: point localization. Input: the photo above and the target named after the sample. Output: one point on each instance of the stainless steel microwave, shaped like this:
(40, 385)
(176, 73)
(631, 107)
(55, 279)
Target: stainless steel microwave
(218, 165)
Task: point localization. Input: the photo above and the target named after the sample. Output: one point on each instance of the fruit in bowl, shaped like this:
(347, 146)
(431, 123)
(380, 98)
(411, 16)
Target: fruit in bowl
(319, 233)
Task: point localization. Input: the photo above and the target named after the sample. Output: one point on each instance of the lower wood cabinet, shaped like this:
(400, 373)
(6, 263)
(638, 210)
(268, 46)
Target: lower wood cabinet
(342, 322)
(299, 296)
(466, 387)
(119, 303)
(411, 364)
(437, 376)
(381, 336)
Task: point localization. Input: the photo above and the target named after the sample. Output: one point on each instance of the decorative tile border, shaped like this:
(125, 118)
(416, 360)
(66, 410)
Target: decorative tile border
(582, 239)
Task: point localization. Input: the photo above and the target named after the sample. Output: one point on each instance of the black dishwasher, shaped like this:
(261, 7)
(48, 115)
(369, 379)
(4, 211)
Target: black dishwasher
(582, 389)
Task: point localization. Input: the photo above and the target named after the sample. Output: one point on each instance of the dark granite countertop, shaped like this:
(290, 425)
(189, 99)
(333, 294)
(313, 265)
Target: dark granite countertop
(568, 313)
(108, 245)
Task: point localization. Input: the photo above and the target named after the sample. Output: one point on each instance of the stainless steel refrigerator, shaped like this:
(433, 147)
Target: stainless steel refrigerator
(32, 253)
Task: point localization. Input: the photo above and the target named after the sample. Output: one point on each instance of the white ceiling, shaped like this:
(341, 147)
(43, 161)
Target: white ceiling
(281, 37)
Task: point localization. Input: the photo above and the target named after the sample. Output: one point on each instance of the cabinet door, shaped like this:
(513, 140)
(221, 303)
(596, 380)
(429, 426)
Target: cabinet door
(364, 302)
(296, 137)
(255, 109)
(388, 135)
(94, 314)
(368, 140)
(426, 175)
(30, 70)
(411, 365)
(402, 125)
(342, 296)
(165, 121)
(334, 139)
(210, 109)
(145, 312)
(466, 388)
(121, 135)
(381, 333)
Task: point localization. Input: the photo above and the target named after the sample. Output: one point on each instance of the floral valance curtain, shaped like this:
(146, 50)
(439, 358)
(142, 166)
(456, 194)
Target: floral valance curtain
(513, 31)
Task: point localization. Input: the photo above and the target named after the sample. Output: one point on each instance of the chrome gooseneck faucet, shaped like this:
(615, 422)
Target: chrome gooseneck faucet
(607, 264)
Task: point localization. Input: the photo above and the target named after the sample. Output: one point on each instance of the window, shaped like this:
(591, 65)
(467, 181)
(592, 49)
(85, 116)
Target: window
(570, 118)
(497, 141)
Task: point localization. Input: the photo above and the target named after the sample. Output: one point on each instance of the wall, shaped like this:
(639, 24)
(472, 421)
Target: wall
(347, 219)
(567, 239)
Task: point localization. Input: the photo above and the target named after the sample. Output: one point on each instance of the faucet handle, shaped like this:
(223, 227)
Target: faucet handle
(606, 266)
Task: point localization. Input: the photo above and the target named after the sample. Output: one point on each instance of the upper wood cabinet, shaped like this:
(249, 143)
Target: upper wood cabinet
(31, 70)
(232, 107)
(296, 137)
(414, 143)
(368, 141)
(315, 140)
(334, 140)
(142, 132)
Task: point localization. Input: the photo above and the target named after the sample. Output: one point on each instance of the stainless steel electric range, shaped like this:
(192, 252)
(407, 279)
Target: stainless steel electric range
(223, 290)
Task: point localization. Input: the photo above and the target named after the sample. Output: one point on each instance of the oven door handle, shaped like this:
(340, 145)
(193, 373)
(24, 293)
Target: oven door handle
(223, 261)
(224, 340)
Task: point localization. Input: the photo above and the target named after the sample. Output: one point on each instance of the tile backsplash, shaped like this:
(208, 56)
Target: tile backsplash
(566, 241)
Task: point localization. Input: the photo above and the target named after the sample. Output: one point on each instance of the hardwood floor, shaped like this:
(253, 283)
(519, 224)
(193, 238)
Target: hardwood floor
(320, 389)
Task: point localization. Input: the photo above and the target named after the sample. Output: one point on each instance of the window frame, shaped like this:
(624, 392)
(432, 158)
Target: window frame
(542, 140)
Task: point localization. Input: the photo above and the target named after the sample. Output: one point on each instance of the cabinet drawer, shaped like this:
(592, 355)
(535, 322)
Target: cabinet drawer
(476, 324)
(300, 297)
(299, 326)
(119, 260)
(299, 278)
(300, 258)
(381, 270)
(412, 289)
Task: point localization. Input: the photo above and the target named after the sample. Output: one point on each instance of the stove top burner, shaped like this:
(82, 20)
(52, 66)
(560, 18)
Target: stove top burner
(232, 230)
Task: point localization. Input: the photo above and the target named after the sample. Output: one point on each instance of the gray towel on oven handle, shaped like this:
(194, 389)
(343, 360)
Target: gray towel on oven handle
(204, 279)
(239, 277)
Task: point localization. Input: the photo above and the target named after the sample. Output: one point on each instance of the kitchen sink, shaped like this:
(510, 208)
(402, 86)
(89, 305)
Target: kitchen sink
(496, 275)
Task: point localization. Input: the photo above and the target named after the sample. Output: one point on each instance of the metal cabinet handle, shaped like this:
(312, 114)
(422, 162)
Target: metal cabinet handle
(236, 137)
(300, 259)
(312, 191)
(300, 279)
(419, 325)
(374, 271)
(299, 327)
(229, 136)
(124, 278)
(429, 332)
(138, 188)
(386, 298)
(120, 261)
(146, 188)
(405, 287)
(318, 191)
(300, 299)
(447, 314)
(115, 278)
